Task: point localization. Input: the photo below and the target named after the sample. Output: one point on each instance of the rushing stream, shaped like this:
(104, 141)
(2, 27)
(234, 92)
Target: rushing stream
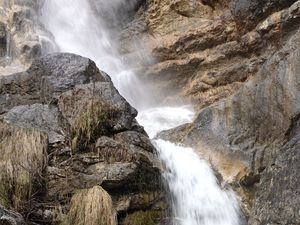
(197, 198)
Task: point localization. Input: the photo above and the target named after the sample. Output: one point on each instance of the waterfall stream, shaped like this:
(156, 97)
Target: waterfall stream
(197, 198)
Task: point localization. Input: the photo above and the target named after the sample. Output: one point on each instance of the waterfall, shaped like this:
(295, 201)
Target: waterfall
(197, 199)
(8, 55)
(77, 29)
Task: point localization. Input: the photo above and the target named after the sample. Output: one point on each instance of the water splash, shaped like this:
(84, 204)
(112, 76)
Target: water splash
(164, 118)
(197, 198)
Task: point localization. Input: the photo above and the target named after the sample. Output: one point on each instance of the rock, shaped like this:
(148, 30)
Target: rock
(143, 217)
(248, 12)
(46, 79)
(94, 138)
(3, 39)
(8, 217)
(256, 128)
(100, 101)
(43, 117)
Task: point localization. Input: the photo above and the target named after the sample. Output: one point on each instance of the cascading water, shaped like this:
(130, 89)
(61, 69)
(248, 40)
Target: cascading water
(78, 30)
(197, 198)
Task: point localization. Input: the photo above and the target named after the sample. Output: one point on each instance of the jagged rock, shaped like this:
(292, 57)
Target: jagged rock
(102, 97)
(43, 117)
(8, 217)
(257, 128)
(94, 138)
(46, 79)
(248, 12)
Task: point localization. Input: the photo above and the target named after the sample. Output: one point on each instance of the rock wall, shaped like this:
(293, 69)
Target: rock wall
(238, 63)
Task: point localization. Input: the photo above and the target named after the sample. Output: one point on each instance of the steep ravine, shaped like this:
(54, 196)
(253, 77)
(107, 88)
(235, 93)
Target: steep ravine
(72, 151)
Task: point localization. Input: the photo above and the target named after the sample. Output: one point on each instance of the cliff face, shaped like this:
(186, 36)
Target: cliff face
(238, 63)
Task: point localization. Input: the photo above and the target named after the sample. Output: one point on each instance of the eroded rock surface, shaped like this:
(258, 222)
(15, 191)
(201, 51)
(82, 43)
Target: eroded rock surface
(250, 136)
(93, 137)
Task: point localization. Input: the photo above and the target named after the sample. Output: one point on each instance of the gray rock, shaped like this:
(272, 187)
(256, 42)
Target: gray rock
(3, 39)
(43, 117)
(104, 95)
(249, 12)
(46, 79)
(8, 217)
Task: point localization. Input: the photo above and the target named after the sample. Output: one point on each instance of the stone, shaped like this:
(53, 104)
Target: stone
(46, 79)
(8, 217)
(43, 117)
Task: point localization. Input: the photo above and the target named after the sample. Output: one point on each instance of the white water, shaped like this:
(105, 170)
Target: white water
(197, 198)
(78, 30)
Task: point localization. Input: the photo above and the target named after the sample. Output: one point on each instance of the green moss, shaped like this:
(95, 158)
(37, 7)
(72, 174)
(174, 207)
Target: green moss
(150, 217)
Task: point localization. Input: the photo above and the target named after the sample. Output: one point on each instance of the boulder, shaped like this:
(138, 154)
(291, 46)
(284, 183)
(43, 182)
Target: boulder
(93, 136)
(8, 217)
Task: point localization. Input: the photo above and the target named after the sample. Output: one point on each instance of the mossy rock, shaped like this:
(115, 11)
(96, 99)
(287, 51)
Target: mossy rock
(150, 217)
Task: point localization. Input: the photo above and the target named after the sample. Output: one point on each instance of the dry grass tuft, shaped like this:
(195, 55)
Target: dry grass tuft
(23, 158)
(93, 121)
(91, 207)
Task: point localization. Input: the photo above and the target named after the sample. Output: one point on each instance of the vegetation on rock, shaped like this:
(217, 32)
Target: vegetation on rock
(22, 161)
(91, 206)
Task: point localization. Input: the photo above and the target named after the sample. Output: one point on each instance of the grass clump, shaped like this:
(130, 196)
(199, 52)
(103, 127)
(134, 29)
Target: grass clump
(93, 121)
(23, 158)
(150, 217)
(91, 207)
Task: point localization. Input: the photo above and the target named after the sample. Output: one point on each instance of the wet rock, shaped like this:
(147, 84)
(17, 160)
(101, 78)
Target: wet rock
(3, 39)
(257, 129)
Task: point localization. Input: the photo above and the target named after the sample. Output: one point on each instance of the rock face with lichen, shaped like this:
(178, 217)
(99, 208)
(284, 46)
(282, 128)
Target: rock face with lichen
(238, 63)
(67, 136)
(65, 131)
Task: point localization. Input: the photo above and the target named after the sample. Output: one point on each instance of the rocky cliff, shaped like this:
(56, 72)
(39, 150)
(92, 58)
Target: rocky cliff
(238, 63)
(69, 142)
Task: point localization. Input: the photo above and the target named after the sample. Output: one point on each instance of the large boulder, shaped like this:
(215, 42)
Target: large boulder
(8, 217)
(93, 136)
